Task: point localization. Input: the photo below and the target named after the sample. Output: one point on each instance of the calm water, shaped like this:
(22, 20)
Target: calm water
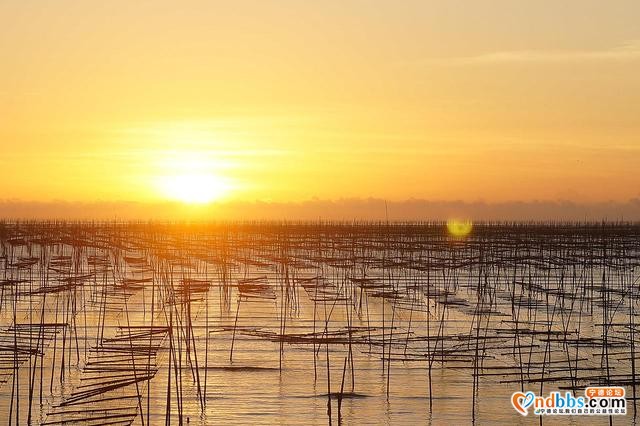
(283, 325)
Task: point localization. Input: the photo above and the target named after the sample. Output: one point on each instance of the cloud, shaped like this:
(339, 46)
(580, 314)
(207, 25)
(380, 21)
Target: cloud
(344, 209)
(624, 52)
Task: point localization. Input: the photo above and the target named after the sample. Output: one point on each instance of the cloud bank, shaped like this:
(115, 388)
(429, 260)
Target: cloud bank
(344, 209)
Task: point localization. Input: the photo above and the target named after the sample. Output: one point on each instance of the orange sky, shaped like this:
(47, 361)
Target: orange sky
(287, 101)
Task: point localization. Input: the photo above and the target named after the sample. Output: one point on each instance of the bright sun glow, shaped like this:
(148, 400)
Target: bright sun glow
(190, 178)
(194, 188)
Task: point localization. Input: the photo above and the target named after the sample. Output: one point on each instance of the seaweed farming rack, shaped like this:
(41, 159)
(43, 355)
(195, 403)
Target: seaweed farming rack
(310, 323)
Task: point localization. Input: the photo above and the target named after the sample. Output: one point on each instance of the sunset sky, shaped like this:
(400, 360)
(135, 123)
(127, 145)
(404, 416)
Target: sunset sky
(288, 101)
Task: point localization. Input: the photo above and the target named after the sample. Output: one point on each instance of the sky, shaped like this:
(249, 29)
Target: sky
(289, 102)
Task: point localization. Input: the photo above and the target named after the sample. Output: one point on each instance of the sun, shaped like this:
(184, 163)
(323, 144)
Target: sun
(194, 188)
(192, 178)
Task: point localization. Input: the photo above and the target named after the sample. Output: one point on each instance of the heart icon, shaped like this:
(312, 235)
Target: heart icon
(528, 400)
(522, 401)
